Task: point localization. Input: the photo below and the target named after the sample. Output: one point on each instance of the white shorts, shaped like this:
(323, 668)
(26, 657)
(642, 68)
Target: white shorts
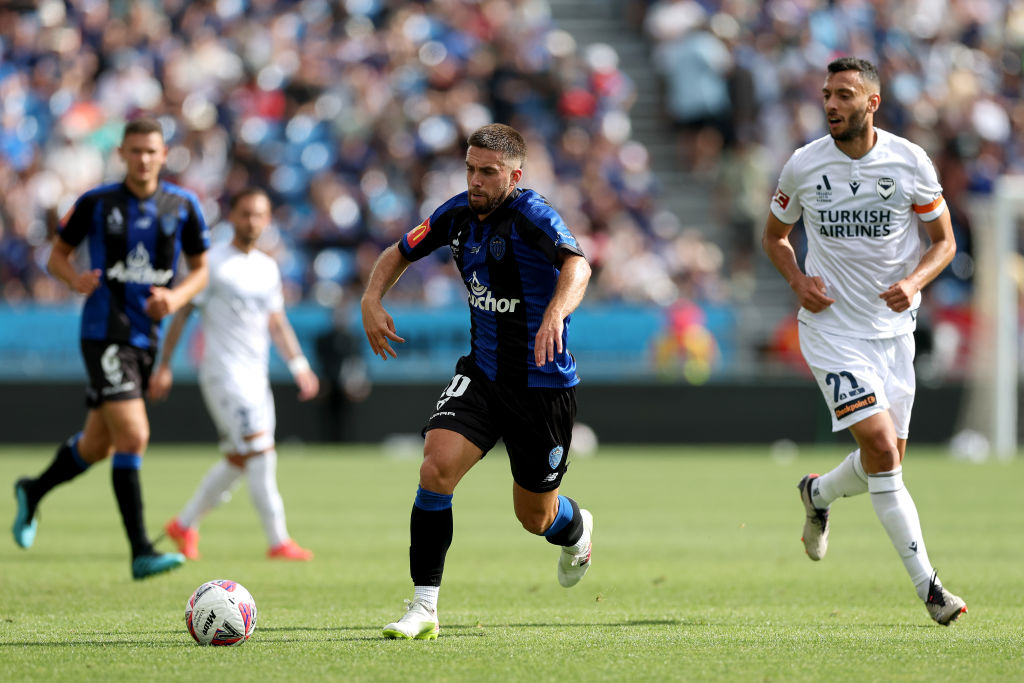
(239, 412)
(862, 377)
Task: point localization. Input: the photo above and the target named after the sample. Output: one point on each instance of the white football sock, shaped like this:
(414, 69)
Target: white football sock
(427, 594)
(261, 471)
(898, 514)
(847, 479)
(581, 544)
(214, 488)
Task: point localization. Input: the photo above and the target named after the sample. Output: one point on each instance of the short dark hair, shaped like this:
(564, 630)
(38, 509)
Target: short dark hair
(144, 125)
(866, 69)
(247, 192)
(501, 138)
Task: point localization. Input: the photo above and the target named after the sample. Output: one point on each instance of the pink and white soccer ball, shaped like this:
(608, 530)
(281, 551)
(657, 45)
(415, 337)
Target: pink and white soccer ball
(220, 612)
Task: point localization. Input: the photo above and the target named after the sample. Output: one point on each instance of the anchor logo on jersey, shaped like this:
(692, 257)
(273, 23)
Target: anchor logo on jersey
(138, 269)
(481, 297)
(475, 286)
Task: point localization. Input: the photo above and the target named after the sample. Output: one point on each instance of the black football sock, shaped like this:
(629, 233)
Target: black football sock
(567, 528)
(125, 475)
(430, 530)
(65, 466)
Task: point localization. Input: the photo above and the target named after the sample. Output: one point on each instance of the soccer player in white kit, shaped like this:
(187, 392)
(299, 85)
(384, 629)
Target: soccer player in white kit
(242, 310)
(859, 190)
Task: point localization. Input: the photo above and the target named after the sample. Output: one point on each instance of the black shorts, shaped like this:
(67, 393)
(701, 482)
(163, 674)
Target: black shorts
(535, 423)
(117, 371)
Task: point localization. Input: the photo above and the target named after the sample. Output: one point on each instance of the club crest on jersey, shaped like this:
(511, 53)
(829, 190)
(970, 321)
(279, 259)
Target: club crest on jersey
(555, 457)
(168, 224)
(497, 248)
(416, 235)
(886, 187)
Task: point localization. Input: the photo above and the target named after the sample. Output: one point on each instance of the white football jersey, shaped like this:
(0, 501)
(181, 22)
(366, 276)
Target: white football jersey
(860, 217)
(235, 307)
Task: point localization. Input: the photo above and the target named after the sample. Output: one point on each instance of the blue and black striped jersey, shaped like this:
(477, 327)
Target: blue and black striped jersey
(509, 263)
(136, 243)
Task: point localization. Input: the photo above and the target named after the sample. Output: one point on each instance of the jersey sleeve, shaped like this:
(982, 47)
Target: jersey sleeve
(276, 303)
(77, 223)
(926, 196)
(547, 231)
(429, 235)
(785, 202)
(195, 235)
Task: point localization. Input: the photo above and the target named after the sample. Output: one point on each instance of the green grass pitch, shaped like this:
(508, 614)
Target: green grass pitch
(698, 574)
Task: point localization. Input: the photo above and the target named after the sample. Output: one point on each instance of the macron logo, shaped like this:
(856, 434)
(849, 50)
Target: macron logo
(482, 298)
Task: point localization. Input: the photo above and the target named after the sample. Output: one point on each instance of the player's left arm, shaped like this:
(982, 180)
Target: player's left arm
(163, 301)
(283, 335)
(569, 290)
(938, 255)
(163, 377)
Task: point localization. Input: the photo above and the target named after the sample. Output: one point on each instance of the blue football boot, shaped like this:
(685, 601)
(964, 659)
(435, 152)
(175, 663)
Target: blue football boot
(24, 528)
(157, 563)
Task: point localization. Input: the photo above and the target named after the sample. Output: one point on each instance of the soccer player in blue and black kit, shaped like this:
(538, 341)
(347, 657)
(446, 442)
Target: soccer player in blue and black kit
(525, 274)
(136, 232)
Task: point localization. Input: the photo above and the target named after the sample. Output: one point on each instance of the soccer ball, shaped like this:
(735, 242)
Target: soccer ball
(220, 612)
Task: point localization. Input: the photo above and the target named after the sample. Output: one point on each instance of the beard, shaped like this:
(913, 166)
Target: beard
(856, 126)
(485, 206)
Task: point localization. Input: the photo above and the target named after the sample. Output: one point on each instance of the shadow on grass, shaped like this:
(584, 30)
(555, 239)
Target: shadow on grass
(162, 639)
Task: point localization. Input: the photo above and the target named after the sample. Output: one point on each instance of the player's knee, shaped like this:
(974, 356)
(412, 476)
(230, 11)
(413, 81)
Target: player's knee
(94, 450)
(133, 439)
(879, 455)
(434, 477)
(534, 521)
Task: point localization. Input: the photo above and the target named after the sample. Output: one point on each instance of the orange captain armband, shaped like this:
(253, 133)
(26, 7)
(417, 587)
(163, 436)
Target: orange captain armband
(929, 207)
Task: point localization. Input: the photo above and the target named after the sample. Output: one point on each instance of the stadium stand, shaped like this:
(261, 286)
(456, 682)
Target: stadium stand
(353, 116)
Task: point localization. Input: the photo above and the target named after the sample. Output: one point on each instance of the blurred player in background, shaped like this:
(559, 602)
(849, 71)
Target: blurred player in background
(859, 190)
(242, 311)
(136, 230)
(525, 274)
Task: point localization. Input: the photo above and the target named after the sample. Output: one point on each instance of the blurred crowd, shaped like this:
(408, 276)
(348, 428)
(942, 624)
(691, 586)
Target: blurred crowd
(743, 90)
(353, 115)
(743, 86)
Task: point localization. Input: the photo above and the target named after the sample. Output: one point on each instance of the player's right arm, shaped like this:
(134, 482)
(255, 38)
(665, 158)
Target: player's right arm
(73, 229)
(162, 379)
(60, 266)
(377, 322)
(809, 290)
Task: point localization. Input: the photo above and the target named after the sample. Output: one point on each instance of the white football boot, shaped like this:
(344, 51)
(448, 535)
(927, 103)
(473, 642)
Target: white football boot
(574, 561)
(943, 605)
(815, 536)
(418, 623)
